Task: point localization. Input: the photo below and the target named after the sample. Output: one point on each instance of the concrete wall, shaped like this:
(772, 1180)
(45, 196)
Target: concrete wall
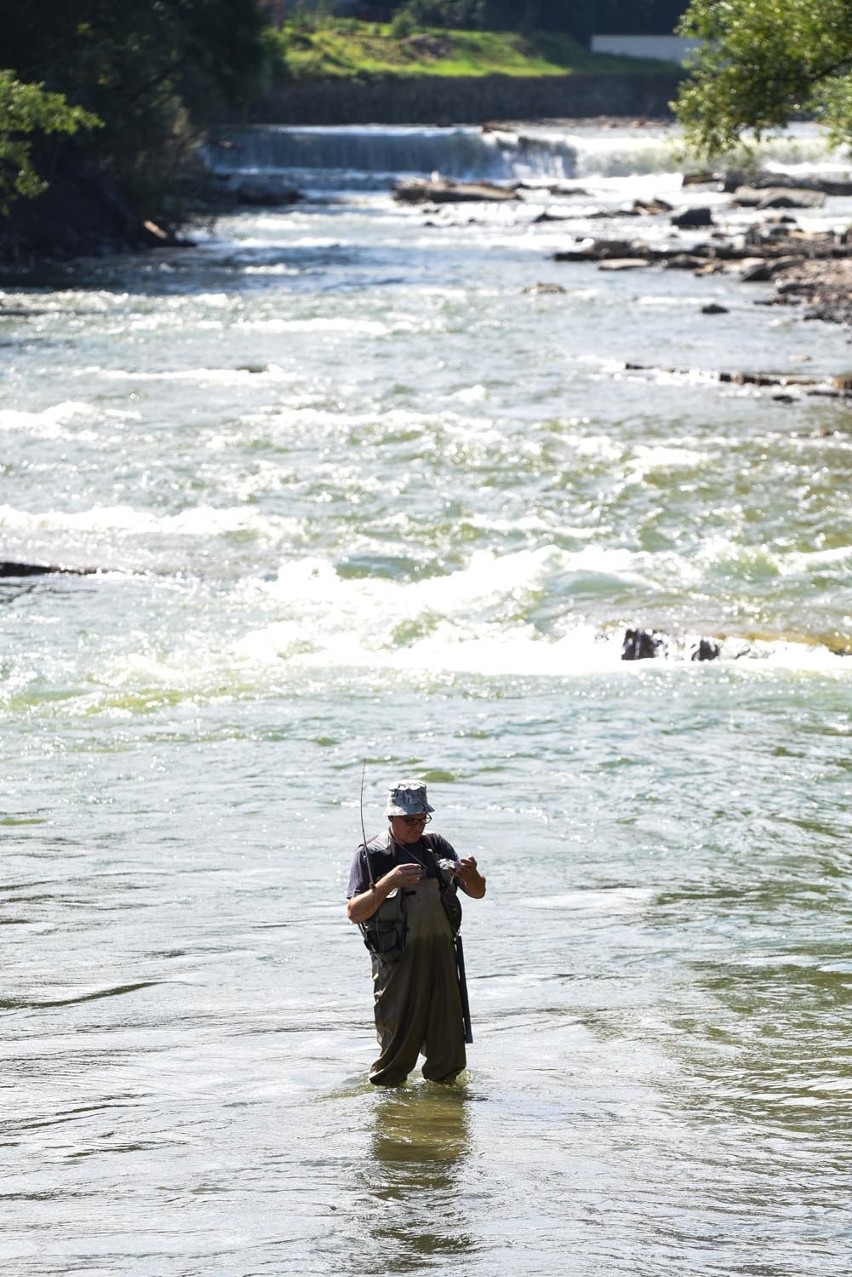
(670, 48)
(475, 100)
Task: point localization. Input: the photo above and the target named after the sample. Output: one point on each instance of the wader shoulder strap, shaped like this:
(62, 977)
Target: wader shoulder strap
(368, 861)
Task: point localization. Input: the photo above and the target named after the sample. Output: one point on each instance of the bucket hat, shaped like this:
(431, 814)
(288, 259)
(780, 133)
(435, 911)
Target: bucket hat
(408, 798)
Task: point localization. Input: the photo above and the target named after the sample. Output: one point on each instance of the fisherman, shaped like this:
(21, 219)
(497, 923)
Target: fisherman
(418, 981)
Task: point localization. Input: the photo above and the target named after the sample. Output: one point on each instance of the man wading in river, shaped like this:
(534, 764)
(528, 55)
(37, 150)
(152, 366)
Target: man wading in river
(402, 893)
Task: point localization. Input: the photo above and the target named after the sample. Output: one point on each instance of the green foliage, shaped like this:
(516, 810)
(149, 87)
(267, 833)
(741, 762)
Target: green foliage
(311, 17)
(352, 50)
(403, 24)
(417, 15)
(574, 16)
(153, 71)
(25, 111)
(762, 63)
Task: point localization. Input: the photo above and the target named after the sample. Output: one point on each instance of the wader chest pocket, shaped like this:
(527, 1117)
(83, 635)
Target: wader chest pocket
(384, 933)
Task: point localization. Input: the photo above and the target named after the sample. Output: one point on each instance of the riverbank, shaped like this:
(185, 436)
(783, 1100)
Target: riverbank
(810, 269)
(343, 71)
(823, 290)
(81, 215)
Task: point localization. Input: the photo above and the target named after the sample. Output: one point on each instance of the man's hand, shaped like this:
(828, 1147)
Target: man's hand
(403, 876)
(470, 879)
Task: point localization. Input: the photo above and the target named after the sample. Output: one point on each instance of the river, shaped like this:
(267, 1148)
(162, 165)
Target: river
(365, 480)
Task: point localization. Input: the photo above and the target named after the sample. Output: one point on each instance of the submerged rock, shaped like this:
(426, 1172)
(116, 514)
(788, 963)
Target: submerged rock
(642, 645)
(10, 568)
(816, 265)
(651, 208)
(756, 272)
(706, 650)
(777, 197)
(263, 192)
(693, 217)
(623, 263)
(646, 645)
(833, 387)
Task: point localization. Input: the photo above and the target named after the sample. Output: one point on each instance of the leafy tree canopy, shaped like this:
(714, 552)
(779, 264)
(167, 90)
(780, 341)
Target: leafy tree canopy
(123, 50)
(153, 71)
(574, 16)
(24, 110)
(760, 64)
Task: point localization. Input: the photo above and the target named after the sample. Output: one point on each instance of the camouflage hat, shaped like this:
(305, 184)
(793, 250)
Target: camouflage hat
(408, 798)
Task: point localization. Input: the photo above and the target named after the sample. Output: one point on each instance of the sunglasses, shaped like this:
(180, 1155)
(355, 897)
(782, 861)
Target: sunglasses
(411, 821)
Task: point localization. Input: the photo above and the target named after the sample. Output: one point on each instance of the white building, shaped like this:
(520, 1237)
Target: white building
(670, 48)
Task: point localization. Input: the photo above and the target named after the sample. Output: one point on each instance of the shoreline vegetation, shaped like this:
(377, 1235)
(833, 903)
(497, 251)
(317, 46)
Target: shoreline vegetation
(326, 71)
(128, 175)
(346, 49)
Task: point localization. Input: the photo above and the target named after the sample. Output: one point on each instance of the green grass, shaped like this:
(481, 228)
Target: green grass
(346, 49)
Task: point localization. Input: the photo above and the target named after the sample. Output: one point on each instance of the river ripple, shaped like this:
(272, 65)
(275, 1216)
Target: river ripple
(360, 495)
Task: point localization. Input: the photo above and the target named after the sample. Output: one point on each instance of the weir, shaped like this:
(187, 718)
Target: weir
(373, 156)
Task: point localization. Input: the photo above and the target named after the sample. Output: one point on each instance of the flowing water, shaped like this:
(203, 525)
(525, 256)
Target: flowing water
(357, 486)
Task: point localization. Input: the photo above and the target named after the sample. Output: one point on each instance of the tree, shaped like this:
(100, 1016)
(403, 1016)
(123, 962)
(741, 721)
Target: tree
(27, 110)
(762, 63)
(154, 72)
(203, 48)
(574, 16)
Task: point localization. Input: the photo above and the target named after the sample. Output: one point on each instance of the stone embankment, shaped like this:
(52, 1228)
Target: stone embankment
(443, 101)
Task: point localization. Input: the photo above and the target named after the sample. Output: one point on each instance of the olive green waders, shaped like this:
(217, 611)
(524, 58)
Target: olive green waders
(417, 1001)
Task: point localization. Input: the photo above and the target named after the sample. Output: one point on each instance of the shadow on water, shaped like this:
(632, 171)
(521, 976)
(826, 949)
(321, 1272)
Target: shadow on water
(181, 272)
(414, 1179)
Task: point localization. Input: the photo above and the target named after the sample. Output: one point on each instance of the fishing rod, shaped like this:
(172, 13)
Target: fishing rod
(462, 979)
(363, 829)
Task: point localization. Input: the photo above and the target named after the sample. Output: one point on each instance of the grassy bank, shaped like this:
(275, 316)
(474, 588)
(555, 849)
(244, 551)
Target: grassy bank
(345, 49)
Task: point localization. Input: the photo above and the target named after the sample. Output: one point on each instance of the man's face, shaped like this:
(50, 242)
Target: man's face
(407, 829)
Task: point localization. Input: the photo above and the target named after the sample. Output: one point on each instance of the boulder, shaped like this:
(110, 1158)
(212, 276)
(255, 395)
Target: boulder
(685, 261)
(650, 208)
(645, 645)
(792, 199)
(547, 216)
(623, 263)
(706, 650)
(263, 192)
(756, 272)
(693, 218)
(610, 250)
(642, 645)
(786, 181)
(444, 191)
(777, 197)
